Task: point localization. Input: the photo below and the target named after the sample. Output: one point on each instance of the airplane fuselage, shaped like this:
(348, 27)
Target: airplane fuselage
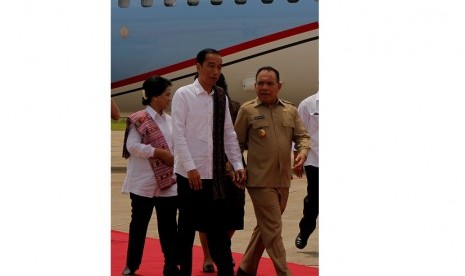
(160, 40)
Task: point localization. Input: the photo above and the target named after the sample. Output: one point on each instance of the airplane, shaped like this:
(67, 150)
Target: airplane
(163, 37)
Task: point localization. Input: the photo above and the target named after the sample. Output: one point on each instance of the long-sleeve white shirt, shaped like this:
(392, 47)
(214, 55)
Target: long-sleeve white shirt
(309, 112)
(192, 113)
(140, 179)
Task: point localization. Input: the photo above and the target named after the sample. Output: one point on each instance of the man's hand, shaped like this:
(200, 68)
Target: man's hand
(298, 164)
(194, 179)
(239, 178)
(298, 171)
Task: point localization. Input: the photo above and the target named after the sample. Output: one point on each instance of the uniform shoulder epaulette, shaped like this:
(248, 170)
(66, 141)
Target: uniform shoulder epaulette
(288, 102)
(248, 103)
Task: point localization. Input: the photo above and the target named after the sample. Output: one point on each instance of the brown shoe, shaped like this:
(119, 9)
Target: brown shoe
(241, 272)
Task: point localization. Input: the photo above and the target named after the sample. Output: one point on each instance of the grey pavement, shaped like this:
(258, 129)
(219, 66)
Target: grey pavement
(121, 213)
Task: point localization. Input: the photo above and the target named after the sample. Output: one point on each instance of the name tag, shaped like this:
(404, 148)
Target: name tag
(259, 117)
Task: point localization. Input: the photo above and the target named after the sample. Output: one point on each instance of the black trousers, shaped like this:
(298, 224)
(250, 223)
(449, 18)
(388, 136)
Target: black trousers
(198, 211)
(310, 213)
(141, 212)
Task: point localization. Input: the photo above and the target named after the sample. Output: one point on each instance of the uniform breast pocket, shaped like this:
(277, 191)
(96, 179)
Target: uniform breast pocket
(288, 122)
(260, 128)
(259, 124)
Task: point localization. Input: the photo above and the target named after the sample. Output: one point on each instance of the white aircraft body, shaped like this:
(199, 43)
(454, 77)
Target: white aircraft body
(156, 37)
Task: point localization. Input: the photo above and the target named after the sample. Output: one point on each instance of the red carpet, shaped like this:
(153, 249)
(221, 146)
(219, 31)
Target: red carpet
(152, 261)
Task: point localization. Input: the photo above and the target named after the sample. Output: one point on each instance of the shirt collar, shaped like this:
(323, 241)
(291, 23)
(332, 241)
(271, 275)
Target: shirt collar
(317, 101)
(198, 89)
(153, 113)
(259, 102)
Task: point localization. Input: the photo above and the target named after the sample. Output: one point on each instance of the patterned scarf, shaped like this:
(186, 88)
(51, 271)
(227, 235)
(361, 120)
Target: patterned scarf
(219, 157)
(151, 134)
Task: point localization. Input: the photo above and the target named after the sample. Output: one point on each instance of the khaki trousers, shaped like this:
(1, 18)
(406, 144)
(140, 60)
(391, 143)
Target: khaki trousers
(269, 204)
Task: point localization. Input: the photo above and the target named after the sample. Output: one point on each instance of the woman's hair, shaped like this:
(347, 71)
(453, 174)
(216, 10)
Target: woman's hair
(154, 86)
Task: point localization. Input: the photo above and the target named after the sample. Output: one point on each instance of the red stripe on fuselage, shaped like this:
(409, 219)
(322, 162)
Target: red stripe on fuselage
(224, 52)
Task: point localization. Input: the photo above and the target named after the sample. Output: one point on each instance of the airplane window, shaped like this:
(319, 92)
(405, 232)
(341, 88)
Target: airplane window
(146, 3)
(170, 3)
(123, 3)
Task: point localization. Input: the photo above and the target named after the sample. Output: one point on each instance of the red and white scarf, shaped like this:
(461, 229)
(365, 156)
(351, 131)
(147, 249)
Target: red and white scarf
(151, 134)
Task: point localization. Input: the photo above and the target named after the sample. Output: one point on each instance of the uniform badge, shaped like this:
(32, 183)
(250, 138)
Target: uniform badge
(262, 133)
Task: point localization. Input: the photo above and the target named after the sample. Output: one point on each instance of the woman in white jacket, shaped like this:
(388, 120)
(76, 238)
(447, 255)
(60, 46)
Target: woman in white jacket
(150, 181)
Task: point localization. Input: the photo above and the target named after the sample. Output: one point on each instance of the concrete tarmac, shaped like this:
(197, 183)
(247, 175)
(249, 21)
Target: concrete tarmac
(121, 213)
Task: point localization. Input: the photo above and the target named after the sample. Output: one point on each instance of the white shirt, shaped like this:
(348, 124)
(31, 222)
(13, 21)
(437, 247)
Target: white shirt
(309, 112)
(140, 179)
(192, 111)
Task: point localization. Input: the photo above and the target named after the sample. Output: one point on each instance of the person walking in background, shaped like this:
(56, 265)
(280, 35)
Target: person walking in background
(237, 195)
(150, 179)
(266, 127)
(203, 136)
(114, 111)
(309, 113)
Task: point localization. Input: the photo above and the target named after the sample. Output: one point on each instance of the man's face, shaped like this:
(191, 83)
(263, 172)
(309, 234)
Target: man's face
(210, 70)
(267, 87)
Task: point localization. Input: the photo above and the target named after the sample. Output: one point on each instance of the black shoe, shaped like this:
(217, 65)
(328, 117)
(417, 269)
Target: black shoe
(300, 241)
(170, 271)
(128, 271)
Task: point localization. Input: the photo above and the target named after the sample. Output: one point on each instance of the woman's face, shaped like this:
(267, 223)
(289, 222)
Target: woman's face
(164, 99)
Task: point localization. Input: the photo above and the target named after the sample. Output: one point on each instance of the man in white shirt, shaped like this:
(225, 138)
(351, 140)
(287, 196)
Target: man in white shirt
(203, 135)
(309, 112)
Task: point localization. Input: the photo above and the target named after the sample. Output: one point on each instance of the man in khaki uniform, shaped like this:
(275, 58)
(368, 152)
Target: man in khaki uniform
(266, 127)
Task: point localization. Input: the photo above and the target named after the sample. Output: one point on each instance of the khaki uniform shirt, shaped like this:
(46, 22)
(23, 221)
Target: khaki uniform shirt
(267, 133)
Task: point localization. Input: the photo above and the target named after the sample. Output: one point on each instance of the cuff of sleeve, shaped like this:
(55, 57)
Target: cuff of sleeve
(189, 165)
(238, 166)
(303, 151)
